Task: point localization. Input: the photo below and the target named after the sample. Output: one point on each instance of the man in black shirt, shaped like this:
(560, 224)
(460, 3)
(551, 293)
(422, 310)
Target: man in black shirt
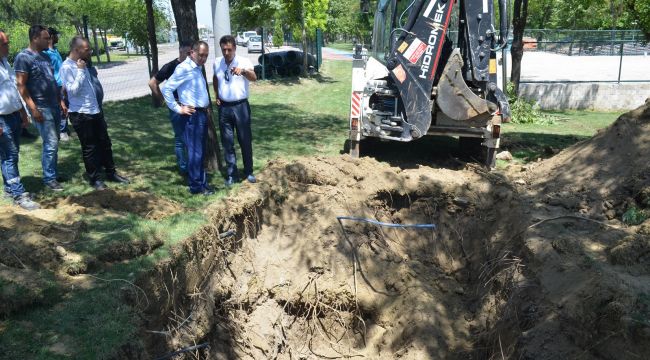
(178, 123)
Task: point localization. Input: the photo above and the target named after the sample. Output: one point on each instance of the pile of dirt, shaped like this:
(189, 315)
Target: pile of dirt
(40, 252)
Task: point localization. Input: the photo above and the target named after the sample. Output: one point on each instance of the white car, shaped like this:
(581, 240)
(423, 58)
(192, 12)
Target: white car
(246, 35)
(254, 44)
(239, 39)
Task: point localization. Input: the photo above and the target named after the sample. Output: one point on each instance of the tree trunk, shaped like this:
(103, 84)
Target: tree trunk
(188, 31)
(104, 37)
(96, 46)
(151, 30)
(519, 17)
(305, 56)
(185, 16)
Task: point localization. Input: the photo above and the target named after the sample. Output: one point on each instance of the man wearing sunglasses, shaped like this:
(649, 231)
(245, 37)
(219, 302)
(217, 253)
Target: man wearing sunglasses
(192, 105)
(232, 75)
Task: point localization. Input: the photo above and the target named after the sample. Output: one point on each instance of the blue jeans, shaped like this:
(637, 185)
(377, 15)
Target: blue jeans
(231, 118)
(178, 124)
(195, 135)
(49, 130)
(9, 147)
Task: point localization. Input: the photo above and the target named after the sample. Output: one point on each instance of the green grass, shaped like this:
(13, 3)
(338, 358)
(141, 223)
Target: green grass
(345, 46)
(118, 56)
(528, 142)
(291, 117)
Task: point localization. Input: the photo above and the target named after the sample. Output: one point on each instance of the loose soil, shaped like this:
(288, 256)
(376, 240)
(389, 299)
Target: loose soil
(529, 262)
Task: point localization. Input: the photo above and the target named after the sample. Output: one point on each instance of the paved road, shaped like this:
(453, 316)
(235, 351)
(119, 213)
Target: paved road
(127, 80)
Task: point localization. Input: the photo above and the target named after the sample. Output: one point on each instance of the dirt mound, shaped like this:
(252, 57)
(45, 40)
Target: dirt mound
(604, 176)
(139, 203)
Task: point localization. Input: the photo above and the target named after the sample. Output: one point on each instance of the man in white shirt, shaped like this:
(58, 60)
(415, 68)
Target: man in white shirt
(232, 75)
(12, 118)
(85, 95)
(192, 105)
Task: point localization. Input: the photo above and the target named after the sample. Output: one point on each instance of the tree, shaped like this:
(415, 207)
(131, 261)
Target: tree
(32, 12)
(151, 31)
(186, 23)
(520, 15)
(305, 17)
(251, 14)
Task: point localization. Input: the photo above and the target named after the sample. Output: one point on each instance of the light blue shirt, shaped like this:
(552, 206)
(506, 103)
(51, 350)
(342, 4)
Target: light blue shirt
(10, 100)
(56, 61)
(189, 82)
(79, 87)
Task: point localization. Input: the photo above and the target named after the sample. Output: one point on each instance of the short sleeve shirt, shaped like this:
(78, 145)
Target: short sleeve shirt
(234, 88)
(56, 61)
(166, 72)
(40, 83)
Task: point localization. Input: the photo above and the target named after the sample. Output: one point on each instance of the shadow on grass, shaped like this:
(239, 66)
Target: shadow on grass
(295, 80)
(531, 146)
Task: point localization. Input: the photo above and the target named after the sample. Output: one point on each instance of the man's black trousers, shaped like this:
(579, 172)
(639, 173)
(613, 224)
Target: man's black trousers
(96, 147)
(231, 118)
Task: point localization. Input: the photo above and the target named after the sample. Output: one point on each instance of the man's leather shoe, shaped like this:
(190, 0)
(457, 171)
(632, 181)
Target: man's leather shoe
(114, 177)
(251, 179)
(208, 191)
(98, 185)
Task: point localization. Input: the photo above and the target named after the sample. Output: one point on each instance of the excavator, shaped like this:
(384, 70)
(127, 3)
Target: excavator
(420, 78)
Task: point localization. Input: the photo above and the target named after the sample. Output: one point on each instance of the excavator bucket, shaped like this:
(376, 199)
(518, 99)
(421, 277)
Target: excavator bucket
(454, 97)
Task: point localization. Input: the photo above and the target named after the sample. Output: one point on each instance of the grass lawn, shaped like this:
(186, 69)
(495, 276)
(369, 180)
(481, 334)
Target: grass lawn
(291, 118)
(528, 142)
(346, 46)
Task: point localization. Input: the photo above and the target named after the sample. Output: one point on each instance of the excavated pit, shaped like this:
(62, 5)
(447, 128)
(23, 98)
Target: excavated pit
(295, 283)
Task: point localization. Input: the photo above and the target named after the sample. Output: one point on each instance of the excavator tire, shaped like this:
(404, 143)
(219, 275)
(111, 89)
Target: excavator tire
(472, 149)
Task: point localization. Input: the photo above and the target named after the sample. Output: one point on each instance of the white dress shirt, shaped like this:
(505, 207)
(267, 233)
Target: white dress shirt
(189, 83)
(236, 87)
(80, 90)
(10, 100)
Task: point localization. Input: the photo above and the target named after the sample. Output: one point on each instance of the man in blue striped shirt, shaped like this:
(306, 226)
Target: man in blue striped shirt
(193, 101)
(85, 95)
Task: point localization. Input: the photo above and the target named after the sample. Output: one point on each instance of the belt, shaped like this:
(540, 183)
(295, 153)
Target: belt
(233, 103)
(198, 108)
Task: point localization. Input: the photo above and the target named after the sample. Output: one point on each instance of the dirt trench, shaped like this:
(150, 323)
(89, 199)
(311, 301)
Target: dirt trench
(295, 283)
(535, 262)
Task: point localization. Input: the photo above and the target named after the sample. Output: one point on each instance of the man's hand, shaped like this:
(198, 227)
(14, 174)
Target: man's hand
(237, 71)
(24, 118)
(64, 109)
(81, 64)
(1, 131)
(36, 114)
(187, 110)
(218, 102)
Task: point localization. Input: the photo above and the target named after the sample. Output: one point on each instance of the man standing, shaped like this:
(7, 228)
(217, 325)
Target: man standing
(85, 95)
(178, 122)
(37, 86)
(232, 75)
(52, 52)
(192, 105)
(12, 118)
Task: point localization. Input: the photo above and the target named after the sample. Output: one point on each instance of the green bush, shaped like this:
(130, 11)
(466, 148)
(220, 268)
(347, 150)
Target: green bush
(526, 111)
(635, 216)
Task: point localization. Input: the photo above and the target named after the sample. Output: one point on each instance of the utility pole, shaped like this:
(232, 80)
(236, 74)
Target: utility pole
(220, 23)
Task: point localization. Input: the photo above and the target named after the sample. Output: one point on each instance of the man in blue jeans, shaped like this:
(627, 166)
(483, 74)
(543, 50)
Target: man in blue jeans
(12, 118)
(192, 105)
(52, 52)
(37, 86)
(178, 122)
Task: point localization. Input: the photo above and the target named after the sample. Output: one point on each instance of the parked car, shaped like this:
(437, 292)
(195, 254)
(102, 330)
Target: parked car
(254, 44)
(239, 39)
(248, 34)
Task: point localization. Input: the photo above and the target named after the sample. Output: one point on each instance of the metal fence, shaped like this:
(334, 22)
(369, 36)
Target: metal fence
(571, 56)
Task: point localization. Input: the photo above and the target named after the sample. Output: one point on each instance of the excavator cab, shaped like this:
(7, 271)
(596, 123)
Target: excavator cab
(418, 80)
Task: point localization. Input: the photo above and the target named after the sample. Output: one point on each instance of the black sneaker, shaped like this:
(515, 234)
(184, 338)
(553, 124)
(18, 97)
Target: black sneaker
(25, 201)
(114, 177)
(54, 186)
(98, 185)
